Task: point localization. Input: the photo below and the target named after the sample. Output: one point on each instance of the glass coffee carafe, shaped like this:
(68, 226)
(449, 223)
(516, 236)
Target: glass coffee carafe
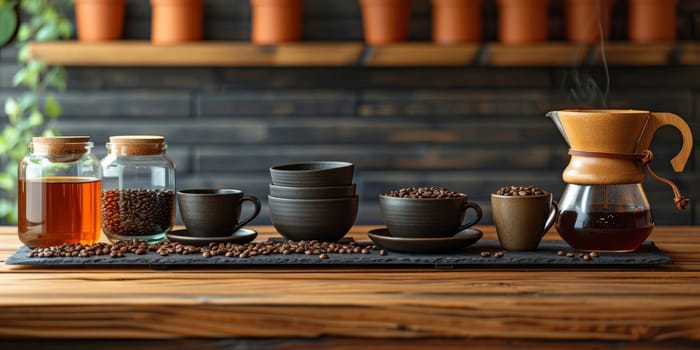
(604, 217)
(604, 207)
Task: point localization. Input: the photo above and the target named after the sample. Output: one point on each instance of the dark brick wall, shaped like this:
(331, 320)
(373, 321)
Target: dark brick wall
(470, 129)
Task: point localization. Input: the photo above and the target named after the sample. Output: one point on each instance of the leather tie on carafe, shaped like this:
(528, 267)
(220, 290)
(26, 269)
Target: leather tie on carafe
(644, 158)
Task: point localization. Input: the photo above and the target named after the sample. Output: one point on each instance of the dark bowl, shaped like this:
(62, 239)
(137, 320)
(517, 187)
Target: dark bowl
(312, 174)
(328, 192)
(426, 217)
(325, 220)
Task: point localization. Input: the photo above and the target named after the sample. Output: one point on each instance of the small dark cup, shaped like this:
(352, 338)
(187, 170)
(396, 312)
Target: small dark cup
(426, 217)
(312, 174)
(214, 212)
(521, 221)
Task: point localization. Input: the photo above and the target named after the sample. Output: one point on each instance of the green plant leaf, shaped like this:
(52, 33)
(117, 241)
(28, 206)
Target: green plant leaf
(23, 54)
(12, 109)
(35, 119)
(56, 77)
(7, 182)
(47, 33)
(24, 33)
(8, 22)
(10, 134)
(65, 28)
(52, 107)
(3, 146)
(50, 14)
(31, 6)
(50, 132)
(30, 75)
(19, 77)
(28, 101)
(6, 208)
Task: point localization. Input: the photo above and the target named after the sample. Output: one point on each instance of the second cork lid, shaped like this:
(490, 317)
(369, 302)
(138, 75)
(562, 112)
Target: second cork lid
(137, 144)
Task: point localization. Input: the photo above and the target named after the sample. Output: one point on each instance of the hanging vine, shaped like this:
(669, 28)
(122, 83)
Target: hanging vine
(33, 112)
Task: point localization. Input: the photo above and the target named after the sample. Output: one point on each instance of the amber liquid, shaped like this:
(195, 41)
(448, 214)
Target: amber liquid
(615, 228)
(58, 210)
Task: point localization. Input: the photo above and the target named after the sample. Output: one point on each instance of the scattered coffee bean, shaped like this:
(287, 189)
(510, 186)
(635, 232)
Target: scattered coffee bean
(485, 254)
(498, 254)
(571, 255)
(424, 192)
(323, 256)
(382, 252)
(520, 191)
(593, 254)
(137, 212)
(586, 257)
(561, 253)
(230, 250)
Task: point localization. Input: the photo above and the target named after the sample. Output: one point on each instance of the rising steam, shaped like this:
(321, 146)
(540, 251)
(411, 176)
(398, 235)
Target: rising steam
(585, 90)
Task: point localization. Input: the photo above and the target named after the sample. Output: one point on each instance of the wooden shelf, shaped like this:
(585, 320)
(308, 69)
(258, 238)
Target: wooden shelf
(348, 54)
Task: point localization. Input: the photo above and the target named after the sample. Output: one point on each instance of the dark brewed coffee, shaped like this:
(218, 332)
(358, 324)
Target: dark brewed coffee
(615, 228)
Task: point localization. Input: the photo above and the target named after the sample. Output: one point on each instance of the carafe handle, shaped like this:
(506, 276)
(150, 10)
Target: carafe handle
(658, 120)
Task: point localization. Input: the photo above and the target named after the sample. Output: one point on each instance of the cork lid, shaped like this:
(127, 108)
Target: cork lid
(136, 144)
(60, 144)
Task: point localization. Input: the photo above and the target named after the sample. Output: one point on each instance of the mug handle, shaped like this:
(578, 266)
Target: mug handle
(477, 209)
(553, 215)
(255, 202)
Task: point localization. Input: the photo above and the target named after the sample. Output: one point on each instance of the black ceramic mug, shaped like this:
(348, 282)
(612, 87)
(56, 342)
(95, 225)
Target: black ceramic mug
(427, 217)
(214, 212)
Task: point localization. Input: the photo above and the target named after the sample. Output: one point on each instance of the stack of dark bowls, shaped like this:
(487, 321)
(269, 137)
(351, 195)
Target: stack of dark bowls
(313, 200)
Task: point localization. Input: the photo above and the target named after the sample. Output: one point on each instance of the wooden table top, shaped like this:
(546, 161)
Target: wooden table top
(336, 308)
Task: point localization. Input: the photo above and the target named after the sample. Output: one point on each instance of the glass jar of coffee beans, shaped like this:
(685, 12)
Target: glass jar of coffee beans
(138, 196)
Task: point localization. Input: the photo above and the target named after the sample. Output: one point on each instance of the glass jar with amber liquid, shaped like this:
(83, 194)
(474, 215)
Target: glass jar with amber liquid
(59, 186)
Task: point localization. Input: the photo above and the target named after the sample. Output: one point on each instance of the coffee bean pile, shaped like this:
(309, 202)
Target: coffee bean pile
(137, 212)
(520, 191)
(117, 250)
(231, 250)
(424, 192)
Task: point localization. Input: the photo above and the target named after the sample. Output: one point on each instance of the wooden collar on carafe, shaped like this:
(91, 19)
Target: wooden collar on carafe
(645, 158)
(136, 145)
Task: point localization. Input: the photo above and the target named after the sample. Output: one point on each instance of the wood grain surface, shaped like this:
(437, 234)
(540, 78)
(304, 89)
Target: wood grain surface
(504, 306)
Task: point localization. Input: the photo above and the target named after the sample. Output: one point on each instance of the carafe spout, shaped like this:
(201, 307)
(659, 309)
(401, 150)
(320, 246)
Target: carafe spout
(557, 122)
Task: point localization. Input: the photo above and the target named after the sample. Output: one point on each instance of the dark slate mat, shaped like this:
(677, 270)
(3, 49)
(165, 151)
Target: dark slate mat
(546, 256)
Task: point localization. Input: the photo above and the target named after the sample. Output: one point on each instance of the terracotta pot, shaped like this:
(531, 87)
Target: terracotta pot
(523, 21)
(99, 20)
(585, 19)
(385, 21)
(176, 21)
(457, 21)
(652, 20)
(276, 21)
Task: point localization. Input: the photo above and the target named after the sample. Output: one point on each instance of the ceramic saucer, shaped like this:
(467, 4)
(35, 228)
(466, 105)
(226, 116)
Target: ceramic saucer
(242, 236)
(382, 237)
